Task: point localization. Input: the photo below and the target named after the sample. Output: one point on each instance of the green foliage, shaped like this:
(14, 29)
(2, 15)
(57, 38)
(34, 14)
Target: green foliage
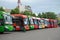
(28, 13)
(50, 15)
(1, 9)
(44, 15)
(15, 11)
(33, 15)
(1, 14)
(39, 15)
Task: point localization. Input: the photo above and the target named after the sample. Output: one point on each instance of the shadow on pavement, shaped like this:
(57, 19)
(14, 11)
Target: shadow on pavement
(5, 33)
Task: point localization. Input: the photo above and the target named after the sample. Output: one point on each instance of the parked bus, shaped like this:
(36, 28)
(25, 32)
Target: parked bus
(55, 23)
(35, 21)
(3, 25)
(8, 22)
(31, 24)
(1, 22)
(26, 22)
(47, 23)
(50, 23)
(41, 22)
(20, 22)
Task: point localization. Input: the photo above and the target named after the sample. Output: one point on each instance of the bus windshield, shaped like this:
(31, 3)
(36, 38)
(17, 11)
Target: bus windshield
(18, 21)
(51, 23)
(35, 21)
(26, 21)
(42, 21)
(7, 19)
(1, 22)
(46, 22)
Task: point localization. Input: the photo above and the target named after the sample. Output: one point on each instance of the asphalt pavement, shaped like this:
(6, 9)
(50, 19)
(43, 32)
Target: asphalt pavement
(41, 34)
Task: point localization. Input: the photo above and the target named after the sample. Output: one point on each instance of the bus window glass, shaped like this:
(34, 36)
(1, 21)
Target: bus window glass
(31, 21)
(26, 21)
(35, 21)
(46, 22)
(18, 21)
(42, 21)
(39, 22)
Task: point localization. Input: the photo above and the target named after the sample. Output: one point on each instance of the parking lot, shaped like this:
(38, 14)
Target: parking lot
(41, 34)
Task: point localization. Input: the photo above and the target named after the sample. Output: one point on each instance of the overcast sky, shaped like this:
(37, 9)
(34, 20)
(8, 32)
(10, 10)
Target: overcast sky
(36, 5)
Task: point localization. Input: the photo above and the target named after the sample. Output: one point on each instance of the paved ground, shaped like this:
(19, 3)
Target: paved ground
(42, 34)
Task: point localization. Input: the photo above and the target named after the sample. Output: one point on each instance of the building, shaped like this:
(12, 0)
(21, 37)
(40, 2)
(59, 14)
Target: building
(8, 10)
(23, 8)
(28, 8)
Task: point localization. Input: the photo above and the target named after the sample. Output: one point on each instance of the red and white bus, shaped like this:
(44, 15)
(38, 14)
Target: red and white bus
(36, 26)
(20, 22)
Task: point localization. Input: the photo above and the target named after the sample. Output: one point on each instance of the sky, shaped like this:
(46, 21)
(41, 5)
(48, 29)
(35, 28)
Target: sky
(37, 6)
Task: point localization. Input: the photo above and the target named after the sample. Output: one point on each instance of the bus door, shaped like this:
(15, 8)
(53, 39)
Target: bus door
(26, 23)
(39, 23)
(46, 22)
(31, 23)
(42, 23)
(16, 23)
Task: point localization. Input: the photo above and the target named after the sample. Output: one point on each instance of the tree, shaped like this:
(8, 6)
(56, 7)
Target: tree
(1, 9)
(44, 15)
(33, 14)
(15, 11)
(28, 13)
(50, 15)
(39, 15)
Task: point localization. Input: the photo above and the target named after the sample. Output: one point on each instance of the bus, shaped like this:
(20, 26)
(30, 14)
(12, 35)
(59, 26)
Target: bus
(26, 22)
(1, 22)
(31, 24)
(50, 23)
(8, 22)
(35, 21)
(3, 25)
(47, 23)
(55, 23)
(41, 23)
(20, 22)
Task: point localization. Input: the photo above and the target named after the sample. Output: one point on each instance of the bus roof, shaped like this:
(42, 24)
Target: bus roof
(19, 15)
